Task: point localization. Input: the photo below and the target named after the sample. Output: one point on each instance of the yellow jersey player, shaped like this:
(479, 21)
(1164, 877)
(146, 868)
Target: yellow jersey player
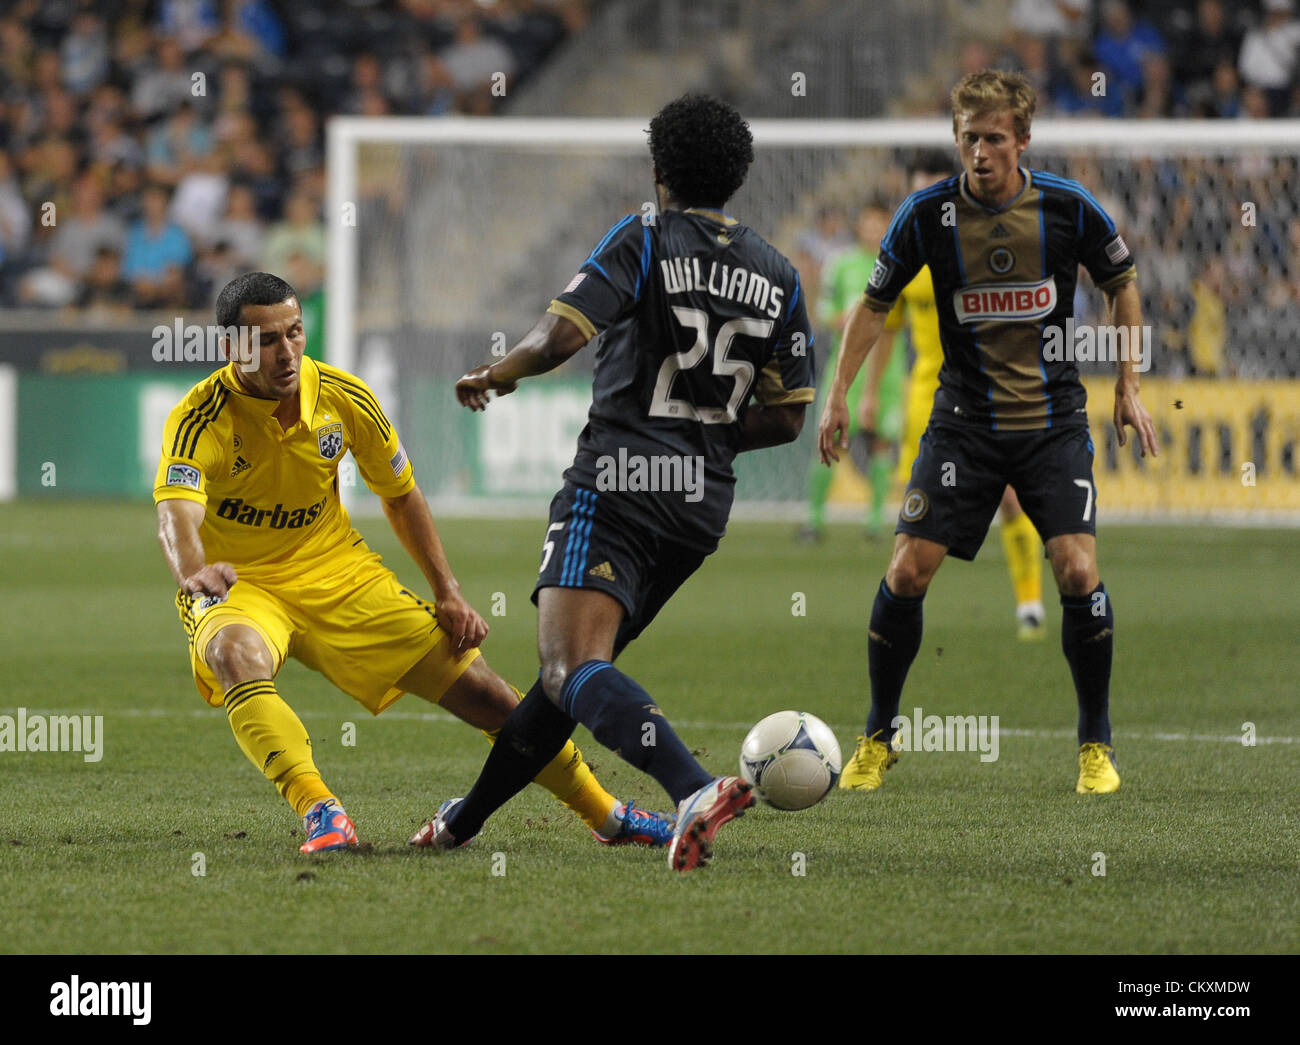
(1004, 245)
(269, 566)
(916, 306)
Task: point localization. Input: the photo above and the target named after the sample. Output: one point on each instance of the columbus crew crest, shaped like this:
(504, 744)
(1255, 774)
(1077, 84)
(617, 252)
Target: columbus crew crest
(330, 441)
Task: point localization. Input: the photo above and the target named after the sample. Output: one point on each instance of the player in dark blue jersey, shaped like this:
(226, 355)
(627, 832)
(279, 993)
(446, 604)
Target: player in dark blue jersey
(705, 351)
(1004, 245)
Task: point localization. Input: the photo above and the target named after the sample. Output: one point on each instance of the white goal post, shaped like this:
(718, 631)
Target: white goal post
(448, 236)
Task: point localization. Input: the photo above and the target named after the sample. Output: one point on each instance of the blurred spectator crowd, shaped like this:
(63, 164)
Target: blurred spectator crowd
(1216, 238)
(1153, 58)
(152, 149)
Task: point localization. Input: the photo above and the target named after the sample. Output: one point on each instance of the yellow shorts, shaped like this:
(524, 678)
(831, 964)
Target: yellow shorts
(915, 419)
(359, 627)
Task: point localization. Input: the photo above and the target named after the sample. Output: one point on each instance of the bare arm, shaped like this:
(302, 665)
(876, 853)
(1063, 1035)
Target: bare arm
(1125, 308)
(551, 341)
(412, 521)
(860, 336)
(771, 425)
(877, 361)
(178, 533)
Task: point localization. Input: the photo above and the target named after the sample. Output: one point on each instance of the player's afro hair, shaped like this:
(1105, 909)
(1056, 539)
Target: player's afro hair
(702, 149)
(252, 288)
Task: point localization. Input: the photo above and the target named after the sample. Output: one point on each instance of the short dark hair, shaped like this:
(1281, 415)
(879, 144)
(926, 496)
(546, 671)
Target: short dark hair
(929, 161)
(702, 149)
(251, 288)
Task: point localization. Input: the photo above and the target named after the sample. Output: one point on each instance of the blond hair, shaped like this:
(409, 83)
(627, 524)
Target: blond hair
(990, 90)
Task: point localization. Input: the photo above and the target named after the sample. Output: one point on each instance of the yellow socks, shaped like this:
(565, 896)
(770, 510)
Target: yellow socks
(1024, 553)
(276, 742)
(304, 791)
(569, 779)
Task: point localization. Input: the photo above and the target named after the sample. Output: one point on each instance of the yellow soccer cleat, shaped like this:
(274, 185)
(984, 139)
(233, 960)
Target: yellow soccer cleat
(1031, 631)
(1097, 772)
(1031, 622)
(865, 770)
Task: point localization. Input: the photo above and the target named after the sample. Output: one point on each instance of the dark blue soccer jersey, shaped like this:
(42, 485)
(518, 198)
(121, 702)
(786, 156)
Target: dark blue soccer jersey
(1001, 277)
(699, 316)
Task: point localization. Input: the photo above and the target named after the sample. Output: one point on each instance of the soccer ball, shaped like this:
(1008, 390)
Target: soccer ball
(792, 758)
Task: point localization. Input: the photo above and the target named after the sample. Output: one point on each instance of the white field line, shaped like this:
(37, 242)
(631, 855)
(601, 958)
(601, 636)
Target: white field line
(441, 717)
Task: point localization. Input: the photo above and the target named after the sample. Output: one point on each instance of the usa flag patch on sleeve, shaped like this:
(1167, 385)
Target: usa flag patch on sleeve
(399, 460)
(1117, 250)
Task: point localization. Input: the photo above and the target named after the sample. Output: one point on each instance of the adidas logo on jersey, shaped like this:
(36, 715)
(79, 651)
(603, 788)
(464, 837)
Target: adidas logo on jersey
(604, 571)
(240, 466)
(999, 232)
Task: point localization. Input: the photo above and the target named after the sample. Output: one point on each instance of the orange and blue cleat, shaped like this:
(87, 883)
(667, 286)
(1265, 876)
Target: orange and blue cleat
(327, 827)
(640, 827)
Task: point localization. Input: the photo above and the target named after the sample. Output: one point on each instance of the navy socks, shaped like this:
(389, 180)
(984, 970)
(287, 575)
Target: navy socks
(622, 716)
(1088, 641)
(533, 735)
(893, 639)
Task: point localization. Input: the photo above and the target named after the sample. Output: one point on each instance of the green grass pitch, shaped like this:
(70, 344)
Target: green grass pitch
(952, 855)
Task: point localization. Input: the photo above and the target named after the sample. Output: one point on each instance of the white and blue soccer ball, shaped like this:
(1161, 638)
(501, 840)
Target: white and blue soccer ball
(792, 758)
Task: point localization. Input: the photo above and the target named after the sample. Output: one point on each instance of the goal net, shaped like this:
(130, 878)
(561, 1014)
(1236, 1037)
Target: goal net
(448, 239)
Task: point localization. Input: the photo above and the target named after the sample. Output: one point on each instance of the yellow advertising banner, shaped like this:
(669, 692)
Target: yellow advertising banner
(1225, 447)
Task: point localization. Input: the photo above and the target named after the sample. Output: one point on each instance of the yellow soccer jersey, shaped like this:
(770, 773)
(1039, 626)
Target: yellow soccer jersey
(916, 303)
(272, 498)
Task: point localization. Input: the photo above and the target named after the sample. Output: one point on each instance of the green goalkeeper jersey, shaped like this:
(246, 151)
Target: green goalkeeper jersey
(844, 278)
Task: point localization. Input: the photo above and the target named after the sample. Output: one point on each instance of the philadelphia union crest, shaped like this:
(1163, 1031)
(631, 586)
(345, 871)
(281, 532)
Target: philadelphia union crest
(330, 441)
(1001, 260)
(915, 505)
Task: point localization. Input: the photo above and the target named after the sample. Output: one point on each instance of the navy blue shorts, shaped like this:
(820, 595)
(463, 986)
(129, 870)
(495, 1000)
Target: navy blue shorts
(588, 545)
(960, 473)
